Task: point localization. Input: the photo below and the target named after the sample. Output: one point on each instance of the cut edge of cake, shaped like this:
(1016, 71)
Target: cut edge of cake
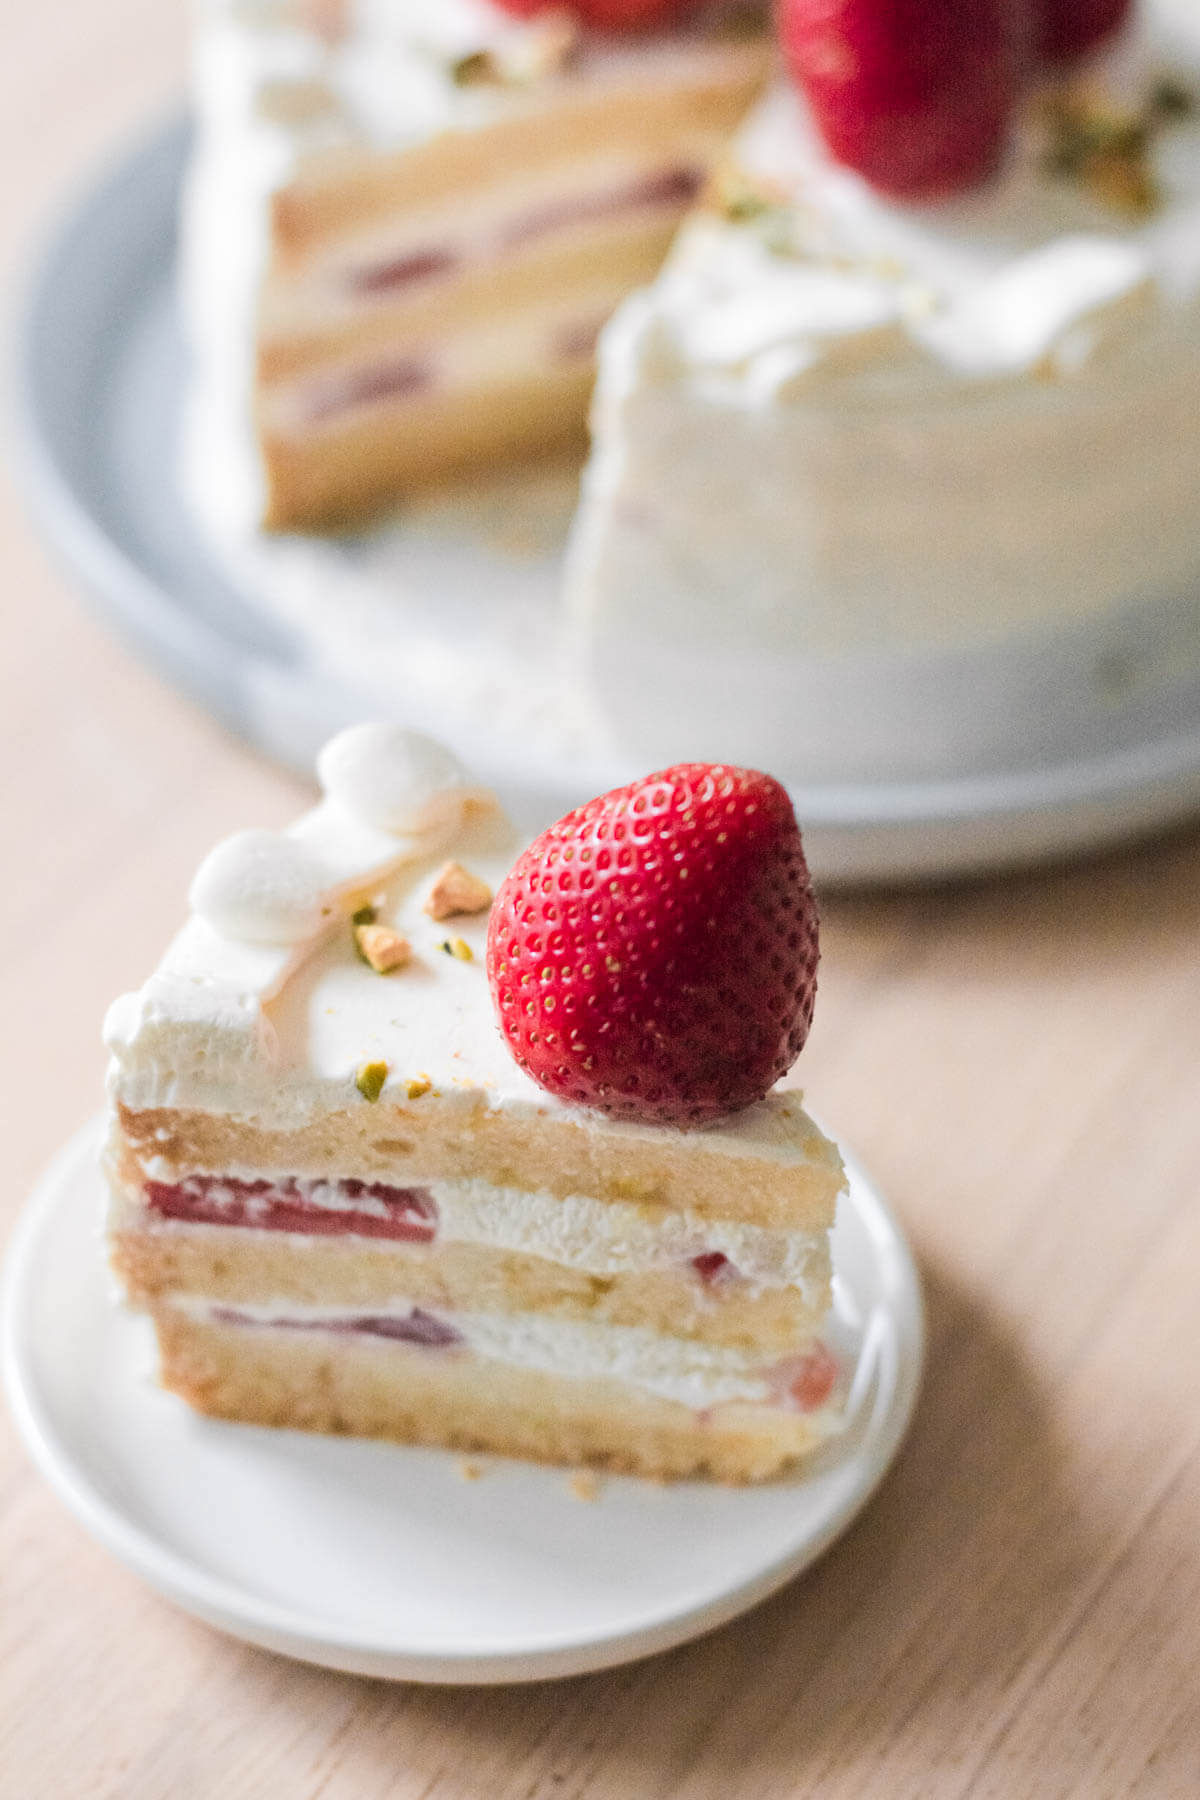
(382, 299)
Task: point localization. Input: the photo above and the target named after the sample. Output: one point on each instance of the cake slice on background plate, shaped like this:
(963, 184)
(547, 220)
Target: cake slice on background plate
(894, 467)
(406, 223)
(391, 1157)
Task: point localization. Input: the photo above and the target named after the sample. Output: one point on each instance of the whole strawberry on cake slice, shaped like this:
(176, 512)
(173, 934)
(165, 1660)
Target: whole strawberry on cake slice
(392, 1157)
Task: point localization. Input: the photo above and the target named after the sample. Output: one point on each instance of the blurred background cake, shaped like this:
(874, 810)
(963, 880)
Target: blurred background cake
(886, 461)
(407, 222)
(892, 468)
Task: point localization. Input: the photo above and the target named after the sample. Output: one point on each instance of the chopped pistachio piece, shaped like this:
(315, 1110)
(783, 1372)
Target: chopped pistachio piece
(1172, 100)
(757, 203)
(382, 947)
(459, 947)
(1105, 151)
(417, 1086)
(364, 915)
(480, 66)
(456, 890)
(737, 197)
(370, 1079)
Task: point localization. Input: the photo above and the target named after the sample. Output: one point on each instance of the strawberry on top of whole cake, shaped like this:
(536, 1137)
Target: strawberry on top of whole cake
(391, 1157)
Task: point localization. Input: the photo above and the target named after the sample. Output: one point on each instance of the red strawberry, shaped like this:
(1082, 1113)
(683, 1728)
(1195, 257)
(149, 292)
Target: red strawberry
(608, 15)
(1069, 28)
(654, 954)
(914, 94)
(805, 1381)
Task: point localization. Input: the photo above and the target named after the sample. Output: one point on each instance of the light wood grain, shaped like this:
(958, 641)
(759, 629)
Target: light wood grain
(1017, 1613)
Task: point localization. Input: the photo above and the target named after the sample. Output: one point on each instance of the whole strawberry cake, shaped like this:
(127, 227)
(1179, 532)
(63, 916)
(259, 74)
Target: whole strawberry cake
(419, 1135)
(894, 468)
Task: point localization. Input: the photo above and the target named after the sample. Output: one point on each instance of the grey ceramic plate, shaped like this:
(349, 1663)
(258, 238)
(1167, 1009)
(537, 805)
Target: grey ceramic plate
(100, 371)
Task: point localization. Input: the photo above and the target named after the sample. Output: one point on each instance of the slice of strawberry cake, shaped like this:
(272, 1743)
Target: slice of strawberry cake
(407, 221)
(391, 1156)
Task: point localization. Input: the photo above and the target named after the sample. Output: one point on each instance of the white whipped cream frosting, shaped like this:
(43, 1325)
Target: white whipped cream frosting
(395, 780)
(236, 1021)
(392, 76)
(391, 794)
(261, 887)
(694, 1374)
(618, 1238)
(388, 80)
(1028, 273)
(883, 491)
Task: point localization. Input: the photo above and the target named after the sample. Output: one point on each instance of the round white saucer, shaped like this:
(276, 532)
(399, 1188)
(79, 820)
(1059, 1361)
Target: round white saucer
(415, 1564)
(100, 380)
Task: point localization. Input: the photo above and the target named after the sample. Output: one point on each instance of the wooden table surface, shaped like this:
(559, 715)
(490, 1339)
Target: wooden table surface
(1018, 1611)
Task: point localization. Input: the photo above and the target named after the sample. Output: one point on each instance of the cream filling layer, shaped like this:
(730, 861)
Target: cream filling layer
(421, 251)
(530, 342)
(595, 1236)
(694, 1375)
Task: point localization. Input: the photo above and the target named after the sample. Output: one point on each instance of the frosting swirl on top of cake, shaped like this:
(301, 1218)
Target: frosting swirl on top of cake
(802, 273)
(395, 780)
(393, 72)
(261, 887)
(391, 796)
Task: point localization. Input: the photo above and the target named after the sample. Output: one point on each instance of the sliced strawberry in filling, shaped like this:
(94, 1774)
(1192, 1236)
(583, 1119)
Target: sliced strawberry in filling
(403, 271)
(369, 386)
(673, 187)
(321, 1209)
(806, 1381)
(714, 1268)
(417, 1327)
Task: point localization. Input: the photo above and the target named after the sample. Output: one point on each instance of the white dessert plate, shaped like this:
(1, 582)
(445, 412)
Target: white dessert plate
(412, 1564)
(296, 640)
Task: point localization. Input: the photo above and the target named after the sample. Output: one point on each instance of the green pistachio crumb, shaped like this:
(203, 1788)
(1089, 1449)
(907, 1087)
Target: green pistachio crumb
(1172, 100)
(370, 1079)
(479, 66)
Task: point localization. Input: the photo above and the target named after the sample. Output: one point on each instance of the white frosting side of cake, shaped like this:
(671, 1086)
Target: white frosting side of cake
(695, 1374)
(278, 1031)
(843, 432)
